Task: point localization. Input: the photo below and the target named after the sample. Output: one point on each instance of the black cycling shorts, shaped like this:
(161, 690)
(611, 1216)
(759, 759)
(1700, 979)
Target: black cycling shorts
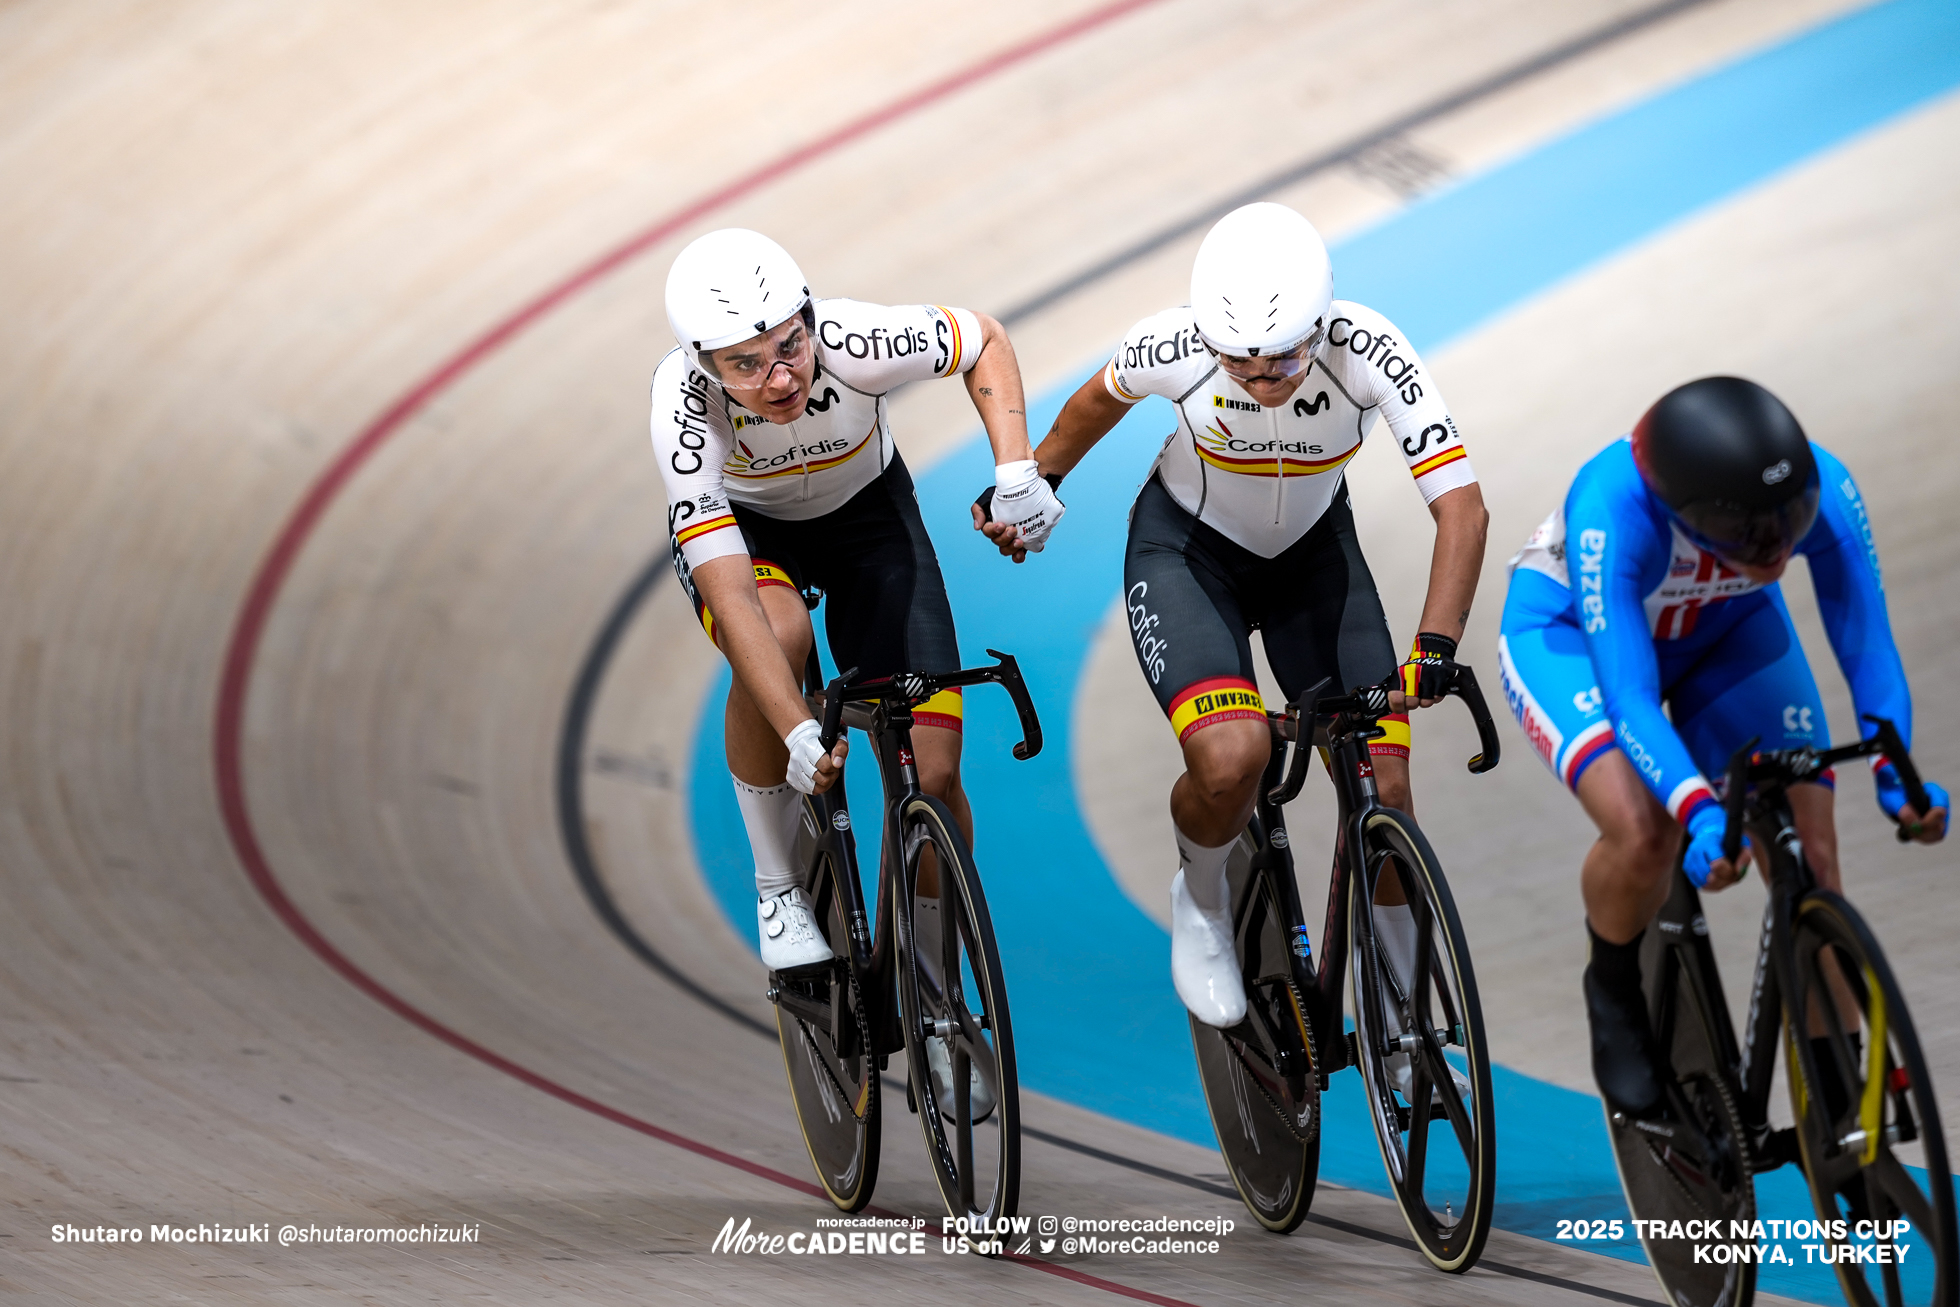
(1194, 598)
(885, 607)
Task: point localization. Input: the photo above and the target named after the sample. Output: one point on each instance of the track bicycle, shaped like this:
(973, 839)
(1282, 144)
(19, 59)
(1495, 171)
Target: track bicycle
(1867, 1132)
(840, 1020)
(1263, 1077)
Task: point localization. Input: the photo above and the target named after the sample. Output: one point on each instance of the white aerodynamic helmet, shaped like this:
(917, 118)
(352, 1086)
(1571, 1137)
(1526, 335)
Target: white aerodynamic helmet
(730, 285)
(1261, 283)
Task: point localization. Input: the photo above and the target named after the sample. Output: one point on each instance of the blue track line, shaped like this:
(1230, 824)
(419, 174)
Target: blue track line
(1097, 1023)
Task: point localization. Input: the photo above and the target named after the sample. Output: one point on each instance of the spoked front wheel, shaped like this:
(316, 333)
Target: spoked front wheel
(959, 1043)
(1864, 1106)
(833, 1074)
(1419, 1033)
(1260, 1079)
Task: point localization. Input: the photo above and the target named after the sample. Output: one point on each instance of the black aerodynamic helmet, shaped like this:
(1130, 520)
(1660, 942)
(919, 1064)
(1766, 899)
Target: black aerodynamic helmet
(1732, 465)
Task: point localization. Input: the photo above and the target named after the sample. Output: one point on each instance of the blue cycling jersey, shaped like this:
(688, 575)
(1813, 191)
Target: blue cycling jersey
(1642, 593)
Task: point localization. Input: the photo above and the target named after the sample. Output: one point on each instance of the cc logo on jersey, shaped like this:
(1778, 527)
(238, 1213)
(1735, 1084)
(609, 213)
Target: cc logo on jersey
(1796, 719)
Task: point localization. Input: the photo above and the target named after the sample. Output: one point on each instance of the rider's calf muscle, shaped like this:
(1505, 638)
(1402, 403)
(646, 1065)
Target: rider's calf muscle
(1625, 876)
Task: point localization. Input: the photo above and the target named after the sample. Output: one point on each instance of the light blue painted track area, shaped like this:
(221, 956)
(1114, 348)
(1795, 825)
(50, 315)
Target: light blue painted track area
(1096, 1021)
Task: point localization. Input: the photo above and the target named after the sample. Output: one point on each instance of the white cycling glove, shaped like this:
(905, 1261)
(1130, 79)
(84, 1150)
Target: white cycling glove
(1026, 501)
(805, 752)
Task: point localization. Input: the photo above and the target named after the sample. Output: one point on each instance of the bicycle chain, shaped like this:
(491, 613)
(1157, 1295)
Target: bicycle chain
(1742, 1153)
(1279, 1110)
(847, 1097)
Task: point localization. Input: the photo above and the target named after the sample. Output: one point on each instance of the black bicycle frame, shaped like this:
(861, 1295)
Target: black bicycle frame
(1683, 930)
(882, 708)
(1342, 728)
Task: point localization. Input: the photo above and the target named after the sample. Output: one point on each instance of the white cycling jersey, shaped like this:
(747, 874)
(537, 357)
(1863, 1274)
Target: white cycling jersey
(713, 451)
(1262, 476)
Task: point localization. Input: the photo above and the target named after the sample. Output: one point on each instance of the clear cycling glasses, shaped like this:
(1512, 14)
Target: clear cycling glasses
(1278, 365)
(749, 364)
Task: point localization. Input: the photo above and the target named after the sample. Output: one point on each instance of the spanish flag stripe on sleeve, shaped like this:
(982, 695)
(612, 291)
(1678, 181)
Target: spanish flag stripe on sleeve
(699, 529)
(1443, 459)
(959, 345)
(1217, 699)
(1116, 383)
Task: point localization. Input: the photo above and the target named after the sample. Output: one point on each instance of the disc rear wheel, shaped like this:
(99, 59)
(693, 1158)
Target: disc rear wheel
(827, 1055)
(1260, 1079)
(1699, 1167)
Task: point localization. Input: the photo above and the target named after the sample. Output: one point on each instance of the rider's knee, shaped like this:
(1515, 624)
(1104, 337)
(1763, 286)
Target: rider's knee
(1646, 839)
(1228, 765)
(940, 777)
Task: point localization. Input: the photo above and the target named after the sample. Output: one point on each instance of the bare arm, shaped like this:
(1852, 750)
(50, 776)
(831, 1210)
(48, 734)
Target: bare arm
(727, 584)
(994, 382)
(1461, 523)
(1087, 417)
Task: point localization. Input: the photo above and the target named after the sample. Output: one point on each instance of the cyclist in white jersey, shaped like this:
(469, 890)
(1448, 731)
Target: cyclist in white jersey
(770, 424)
(1245, 523)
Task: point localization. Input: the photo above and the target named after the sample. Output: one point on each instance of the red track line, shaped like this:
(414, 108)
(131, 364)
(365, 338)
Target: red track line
(249, 629)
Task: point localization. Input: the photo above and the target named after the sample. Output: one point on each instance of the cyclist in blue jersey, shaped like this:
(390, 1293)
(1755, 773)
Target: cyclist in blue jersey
(1656, 584)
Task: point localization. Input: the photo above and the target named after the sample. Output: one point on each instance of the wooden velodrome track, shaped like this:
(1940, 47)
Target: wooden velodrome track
(301, 567)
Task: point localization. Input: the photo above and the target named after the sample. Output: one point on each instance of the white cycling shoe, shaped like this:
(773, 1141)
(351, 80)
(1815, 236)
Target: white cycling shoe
(939, 1061)
(790, 937)
(1204, 965)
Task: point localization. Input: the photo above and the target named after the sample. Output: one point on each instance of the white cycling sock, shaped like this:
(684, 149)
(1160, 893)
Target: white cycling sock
(1204, 871)
(1395, 931)
(771, 816)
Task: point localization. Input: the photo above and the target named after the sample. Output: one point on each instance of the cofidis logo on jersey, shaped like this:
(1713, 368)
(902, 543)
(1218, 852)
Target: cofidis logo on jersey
(1379, 349)
(1153, 351)
(1228, 451)
(876, 343)
(815, 456)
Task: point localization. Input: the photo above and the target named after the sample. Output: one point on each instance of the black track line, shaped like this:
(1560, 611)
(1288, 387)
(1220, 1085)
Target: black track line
(571, 796)
(570, 769)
